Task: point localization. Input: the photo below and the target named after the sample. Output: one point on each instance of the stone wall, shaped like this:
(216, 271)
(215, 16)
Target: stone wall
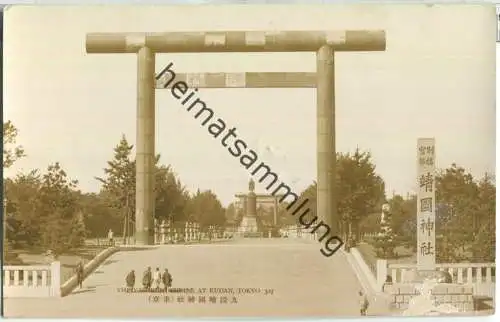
(459, 296)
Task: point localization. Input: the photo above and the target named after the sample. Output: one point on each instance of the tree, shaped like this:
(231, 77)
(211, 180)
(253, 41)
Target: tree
(11, 152)
(171, 196)
(309, 193)
(457, 202)
(360, 190)
(58, 207)
(119, 188)
(384, 242)
(404, 214)
(407, 232)
(397, 206)
(22, 208)
(231, 214)
(119, 183)
(240, 212)
(207, 209)
(483, 246)
(78, 230)
(98, 215)
(370, 224)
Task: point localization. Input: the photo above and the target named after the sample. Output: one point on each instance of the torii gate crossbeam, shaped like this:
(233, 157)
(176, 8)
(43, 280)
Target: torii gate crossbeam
(146, 45)
(240, 80)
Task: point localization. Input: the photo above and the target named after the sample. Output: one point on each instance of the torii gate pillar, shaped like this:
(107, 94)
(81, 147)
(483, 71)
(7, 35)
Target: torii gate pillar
(145, 147)
(145, 45)
(325, 140)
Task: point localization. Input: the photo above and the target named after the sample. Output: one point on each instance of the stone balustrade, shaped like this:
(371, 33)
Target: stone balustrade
(481, 276)
(32, 281)
(294, 232)
(189, 232)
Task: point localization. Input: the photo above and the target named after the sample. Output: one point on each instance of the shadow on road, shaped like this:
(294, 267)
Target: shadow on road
(135, 249)
(96, 286)
(87, 290)
(109, 261)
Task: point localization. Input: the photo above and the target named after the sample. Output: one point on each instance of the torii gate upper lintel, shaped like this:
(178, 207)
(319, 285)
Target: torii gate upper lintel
(235, 41)
(325, 43)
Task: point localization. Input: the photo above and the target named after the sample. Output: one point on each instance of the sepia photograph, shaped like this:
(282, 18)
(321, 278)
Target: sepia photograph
(298, 161)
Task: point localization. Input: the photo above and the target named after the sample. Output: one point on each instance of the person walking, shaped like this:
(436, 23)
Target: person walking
(157, 279)
(79, 274)
(110, 238)
(166, 279)
(147, 279)
(363, 303)
(130, 281)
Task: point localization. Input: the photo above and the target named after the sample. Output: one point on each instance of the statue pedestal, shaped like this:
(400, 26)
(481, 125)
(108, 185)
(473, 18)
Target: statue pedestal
(248, 225)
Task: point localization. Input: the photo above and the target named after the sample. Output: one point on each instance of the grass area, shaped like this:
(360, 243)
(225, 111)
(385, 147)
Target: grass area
(68, 260)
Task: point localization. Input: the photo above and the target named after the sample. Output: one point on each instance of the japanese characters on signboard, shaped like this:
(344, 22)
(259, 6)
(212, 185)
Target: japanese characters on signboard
(426, 204)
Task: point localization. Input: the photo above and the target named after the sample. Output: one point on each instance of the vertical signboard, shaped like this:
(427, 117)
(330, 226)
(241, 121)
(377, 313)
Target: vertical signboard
(426, 204)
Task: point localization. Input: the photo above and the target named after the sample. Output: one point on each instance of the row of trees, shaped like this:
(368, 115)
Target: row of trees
(465, 215)
(465, 218)
(360, 192)
(46, 210)
(174, 203)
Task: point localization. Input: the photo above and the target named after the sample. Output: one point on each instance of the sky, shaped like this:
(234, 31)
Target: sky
(436, 79)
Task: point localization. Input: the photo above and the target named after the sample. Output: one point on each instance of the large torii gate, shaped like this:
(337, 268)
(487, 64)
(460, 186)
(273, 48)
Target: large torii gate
(324, 43)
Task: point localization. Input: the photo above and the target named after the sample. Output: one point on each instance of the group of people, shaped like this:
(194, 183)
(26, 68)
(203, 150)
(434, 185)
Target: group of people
(151, 280)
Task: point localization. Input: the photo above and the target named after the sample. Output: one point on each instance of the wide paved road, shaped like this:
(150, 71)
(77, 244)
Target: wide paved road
(304, 283)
